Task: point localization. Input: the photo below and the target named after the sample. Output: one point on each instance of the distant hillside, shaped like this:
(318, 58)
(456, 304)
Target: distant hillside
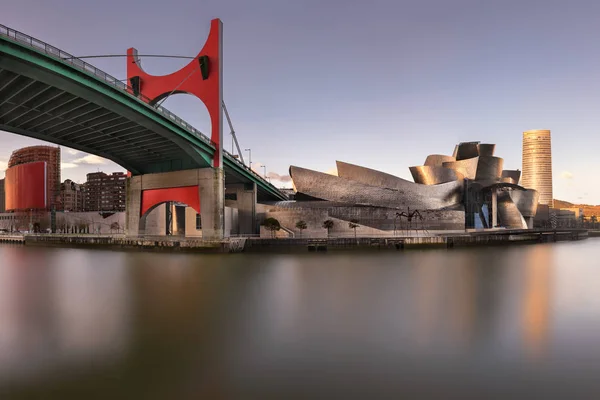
(562, 204)
(588, 210)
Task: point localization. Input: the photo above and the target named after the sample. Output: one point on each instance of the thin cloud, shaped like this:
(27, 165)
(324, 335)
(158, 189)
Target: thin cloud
(89, 159)
(257, 167)
(66, 165)
(73, 152)
(280, 178)
(3, 165)
(566, 175)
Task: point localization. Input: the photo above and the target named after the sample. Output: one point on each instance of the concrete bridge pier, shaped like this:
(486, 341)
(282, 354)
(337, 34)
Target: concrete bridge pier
(201, 189)
(245, 203)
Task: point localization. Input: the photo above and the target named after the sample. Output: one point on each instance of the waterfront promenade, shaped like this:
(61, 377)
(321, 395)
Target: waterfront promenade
(261, 244)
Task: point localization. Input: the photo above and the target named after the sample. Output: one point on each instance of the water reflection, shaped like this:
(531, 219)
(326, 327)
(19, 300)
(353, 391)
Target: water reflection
(54, 314)
(507, 321)
(536, 300)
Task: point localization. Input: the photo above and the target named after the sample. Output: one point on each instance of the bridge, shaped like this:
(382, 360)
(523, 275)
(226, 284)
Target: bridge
(51, 95)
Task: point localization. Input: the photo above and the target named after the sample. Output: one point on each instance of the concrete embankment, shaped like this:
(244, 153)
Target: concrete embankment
(235, 245)
(232, 245)
(15, 239)
(503, 237)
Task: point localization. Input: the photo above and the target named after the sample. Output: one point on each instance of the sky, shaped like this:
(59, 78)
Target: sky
(379, 83)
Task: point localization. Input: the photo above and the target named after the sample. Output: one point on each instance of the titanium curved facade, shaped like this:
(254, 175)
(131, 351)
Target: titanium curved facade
(333, 188)
(526, 201)
(513, 174)
(428, 175)
(489, 168)
(467, 150)
(437, 160)
(466, 168)
(508, 213)
(537, 164)
(486, 149)
(370, 176)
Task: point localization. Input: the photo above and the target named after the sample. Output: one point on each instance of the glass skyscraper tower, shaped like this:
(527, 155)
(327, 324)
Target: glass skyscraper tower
(537, 164)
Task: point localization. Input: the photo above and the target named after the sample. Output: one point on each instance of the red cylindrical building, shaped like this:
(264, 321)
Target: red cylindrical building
(33, 178)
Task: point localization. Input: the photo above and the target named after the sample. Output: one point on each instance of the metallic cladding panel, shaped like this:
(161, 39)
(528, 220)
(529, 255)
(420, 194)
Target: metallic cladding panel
(515, 175)
(489, 168)
(406, 194)
(437, 160)
(467, 168)
(428, 175)
(537, 164)
(25, 186)
(370, 176)
(467, 150)
(508, 213)
(526, 201)
(486, 149)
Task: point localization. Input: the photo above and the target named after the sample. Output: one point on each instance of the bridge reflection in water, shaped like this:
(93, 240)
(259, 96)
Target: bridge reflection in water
(508, 321)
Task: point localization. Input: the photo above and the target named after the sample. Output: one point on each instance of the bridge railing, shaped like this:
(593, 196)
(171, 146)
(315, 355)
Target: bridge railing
(111, 80)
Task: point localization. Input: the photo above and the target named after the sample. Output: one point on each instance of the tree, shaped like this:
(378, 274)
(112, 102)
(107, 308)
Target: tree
(114, 226)
(272, 225)
(301, 225)
(593, 220)
(328, 224)
(353, 224)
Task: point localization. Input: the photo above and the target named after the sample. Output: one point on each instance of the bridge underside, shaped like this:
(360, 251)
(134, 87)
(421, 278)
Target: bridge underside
(34, 108)
(61, 105)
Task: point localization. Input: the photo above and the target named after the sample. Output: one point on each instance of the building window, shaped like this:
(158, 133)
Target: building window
(198, 222)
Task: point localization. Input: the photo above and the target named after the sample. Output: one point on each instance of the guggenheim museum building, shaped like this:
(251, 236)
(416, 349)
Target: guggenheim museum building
(469, 189)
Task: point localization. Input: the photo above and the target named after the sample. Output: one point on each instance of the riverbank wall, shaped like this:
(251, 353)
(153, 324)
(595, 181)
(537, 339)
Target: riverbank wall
(232, 245)
(479, 238)
(283, 245)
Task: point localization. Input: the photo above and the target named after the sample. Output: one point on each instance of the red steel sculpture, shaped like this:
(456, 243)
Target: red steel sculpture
(202, 77)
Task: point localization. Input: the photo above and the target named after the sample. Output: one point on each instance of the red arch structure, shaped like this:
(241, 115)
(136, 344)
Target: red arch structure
(202, 77)
(187, 194)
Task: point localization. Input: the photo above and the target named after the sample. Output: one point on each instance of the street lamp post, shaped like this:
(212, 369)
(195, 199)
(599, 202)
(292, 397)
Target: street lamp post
(265, 171)
(249, 156)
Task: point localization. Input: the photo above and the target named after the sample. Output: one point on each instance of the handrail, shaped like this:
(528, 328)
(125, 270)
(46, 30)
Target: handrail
(65, 57)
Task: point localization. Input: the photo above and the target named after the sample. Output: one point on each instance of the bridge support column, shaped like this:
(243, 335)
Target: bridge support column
(246, 205)
(133, 204)
(203, 189)
(211, 186)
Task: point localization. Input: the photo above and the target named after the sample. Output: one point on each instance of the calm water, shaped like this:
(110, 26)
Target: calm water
(501, 322)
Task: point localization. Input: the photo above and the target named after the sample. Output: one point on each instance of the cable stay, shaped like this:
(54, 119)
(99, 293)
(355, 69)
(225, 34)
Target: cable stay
(233, 136)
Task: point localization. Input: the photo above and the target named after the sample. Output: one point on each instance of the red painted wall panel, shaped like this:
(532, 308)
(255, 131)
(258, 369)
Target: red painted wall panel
(188, 195)
(25, 186)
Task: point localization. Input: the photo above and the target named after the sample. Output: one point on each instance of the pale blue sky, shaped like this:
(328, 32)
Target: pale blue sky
(378, 83)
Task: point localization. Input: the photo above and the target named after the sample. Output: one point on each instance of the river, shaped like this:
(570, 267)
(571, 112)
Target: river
(519, 321)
